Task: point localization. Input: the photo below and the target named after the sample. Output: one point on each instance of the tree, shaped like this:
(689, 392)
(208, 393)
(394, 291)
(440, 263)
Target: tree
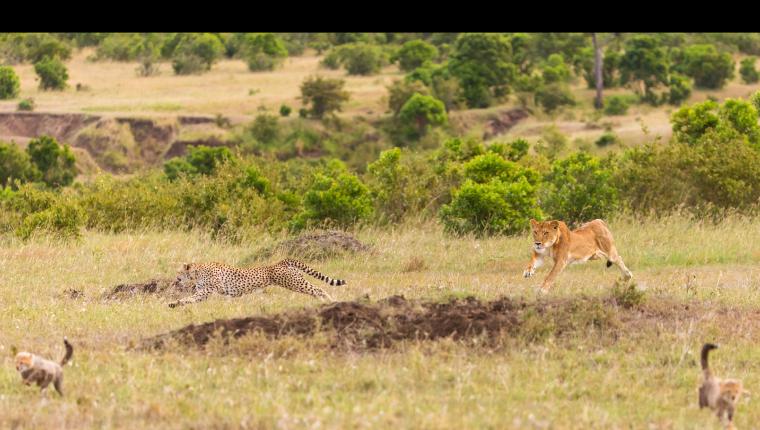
(196, 52)
(9, 83)
(644, 63)
(598, 102)
(263, 51)
(483, 64)
(747, 70)
(361, 58)
(55, 162)
(52, 74)
(708, 67)
(324, 95)
(421, 112)
(413, 54)
(15, 164)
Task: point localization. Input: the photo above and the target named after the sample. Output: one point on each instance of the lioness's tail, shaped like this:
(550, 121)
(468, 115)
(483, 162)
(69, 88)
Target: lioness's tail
(706, 348)
(69, 352)
(308, 270)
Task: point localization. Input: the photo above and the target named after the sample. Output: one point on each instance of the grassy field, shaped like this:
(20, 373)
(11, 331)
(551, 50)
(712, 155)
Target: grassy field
(700, 282)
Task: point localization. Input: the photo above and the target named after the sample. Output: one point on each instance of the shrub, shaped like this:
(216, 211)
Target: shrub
(755, 100)
(285, 110)
(708, 67)
(482, 62)
(579, 188)
(340, 199)
(195, 53)
(644, 62)
(400, 91)
(606, 139)
(420, 113)
(325, 96)
(9, 83)
(55, 162)
(361, 58)
(187, 64)
(62, 220)
(488, 208)
(679, 89)
(26, 105)
(15, 164)
(52, 74)
(616, 105)
(413, 54)
(553, 96)
(733, 119)
(484, 168)
(748, 72)
(555, 70)
(263, 51)
(265, 129)
(552, 143)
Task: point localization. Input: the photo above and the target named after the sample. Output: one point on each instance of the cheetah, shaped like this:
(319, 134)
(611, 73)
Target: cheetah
(206, 278)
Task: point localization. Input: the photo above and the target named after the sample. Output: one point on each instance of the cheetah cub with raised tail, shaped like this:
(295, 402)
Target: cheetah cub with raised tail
(207, 278)
(35, 369)
(720, 395)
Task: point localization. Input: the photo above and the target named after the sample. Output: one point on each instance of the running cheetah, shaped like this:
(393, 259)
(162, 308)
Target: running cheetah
(206, 278)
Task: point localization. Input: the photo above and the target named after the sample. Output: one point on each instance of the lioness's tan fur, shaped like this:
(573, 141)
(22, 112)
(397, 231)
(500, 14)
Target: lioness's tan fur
(590, 241)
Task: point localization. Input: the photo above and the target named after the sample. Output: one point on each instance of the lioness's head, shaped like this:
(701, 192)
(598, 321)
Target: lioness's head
(545, 234)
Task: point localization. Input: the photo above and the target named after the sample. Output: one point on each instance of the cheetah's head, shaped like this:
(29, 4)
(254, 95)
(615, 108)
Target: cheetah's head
(186, 275)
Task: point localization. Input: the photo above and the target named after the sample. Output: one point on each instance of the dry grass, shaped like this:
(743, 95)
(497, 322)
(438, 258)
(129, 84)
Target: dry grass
(646, 378)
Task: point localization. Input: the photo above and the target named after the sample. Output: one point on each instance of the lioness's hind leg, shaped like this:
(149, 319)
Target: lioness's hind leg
(615, 258)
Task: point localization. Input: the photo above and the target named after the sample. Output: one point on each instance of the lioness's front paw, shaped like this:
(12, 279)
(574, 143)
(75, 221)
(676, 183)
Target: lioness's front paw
(528, 272)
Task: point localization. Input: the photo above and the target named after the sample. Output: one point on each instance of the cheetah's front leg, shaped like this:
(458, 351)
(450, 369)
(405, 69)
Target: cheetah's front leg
(195, 298)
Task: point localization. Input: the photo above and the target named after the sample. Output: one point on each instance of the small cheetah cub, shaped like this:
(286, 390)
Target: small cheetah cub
(35, 369)
(720, 395)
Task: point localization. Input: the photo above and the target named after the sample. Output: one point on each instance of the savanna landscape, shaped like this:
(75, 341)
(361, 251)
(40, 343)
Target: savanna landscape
(408, 165)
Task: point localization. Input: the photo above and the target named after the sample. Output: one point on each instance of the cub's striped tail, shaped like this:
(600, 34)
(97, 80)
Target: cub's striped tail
(69, 352)
(309, 271)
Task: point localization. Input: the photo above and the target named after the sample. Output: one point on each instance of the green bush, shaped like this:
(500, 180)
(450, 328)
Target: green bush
(361, 58)
(483, 168)
(708, 67)
(285, 110)
(324, 96)
(263, 51)
(55, 162)
(188, 64)
(200, 159)
(400, 91)
(555, 70)
(9, 83)
(52, 74)
(579, 188)
(482, 62)
(339, 199)
(489, 208)
(33, 47)
(413, 54)
(679, 89)
(748, 72)
(63, 221)
(733, 119)
(755, 100)
(265, 129)
(26, 105)
(553, 96)
(616, 105)
(552, 143)
(606, 139)
(196, 52)
(420, 113)
(644, 62)
(15, 164)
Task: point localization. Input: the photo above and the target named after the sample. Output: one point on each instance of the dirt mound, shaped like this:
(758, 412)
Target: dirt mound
(315, 246)
(61, 126)
(503, 122)
(355, 325)
(161, 286)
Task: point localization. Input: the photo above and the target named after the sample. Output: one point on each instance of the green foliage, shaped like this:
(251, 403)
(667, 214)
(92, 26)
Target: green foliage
(200, 159)
(555, 70)
(285, 110)
(414, 54)
(420, 113)
(15, 164)
(755, 100)
(400, 91)
(263, 51)
(196, 53)
(579, 188)
(554, 96)
(617, 105)
(325, 96)
(55, 162)
(584, 64)
(361, 58)
(747, 70)
(52, 74)
(680, 89)
(33, 47)
(489, 208)
(552, 143)
(482, 62)
(627, 294)
(645, 63)
(708, 67)
(9, 83)
(337, 198)
(607, 139)
(26, 104)
(62, 220)
(265, 129)
(734, 119)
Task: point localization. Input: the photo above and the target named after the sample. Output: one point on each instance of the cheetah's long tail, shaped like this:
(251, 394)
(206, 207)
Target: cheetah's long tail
(309, 271)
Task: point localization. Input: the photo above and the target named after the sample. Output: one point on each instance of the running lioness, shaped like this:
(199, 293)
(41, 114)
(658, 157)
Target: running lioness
(590, 241)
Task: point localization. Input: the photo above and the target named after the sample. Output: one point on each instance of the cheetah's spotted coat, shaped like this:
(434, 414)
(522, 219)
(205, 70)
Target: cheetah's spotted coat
(206, 278)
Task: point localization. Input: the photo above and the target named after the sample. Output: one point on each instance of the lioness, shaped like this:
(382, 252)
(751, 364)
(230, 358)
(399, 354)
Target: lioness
(590, 241)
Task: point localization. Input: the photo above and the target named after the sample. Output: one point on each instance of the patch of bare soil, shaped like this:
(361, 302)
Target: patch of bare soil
(315, 246)
(502, 122)
(160, 286)
(367, 326)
